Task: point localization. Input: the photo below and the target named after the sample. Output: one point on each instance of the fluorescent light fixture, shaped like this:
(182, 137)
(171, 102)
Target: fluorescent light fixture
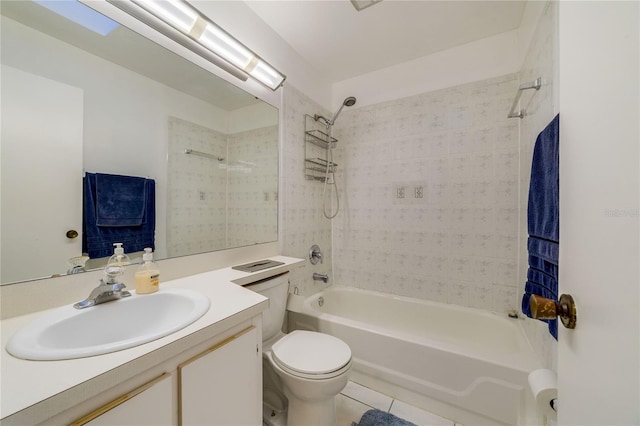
(363, 4)
(80, 14)
(189, 22)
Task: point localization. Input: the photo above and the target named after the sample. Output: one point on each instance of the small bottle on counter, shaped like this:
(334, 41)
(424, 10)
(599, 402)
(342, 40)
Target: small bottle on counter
(147, 277)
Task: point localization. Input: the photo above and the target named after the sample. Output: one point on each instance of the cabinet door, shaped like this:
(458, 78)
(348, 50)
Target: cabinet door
(150, 404)
(223, 385)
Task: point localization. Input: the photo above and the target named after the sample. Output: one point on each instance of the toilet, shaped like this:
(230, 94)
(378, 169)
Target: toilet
(303, 371)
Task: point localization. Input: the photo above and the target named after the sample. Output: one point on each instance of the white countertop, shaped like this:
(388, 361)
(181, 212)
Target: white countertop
(25, 383)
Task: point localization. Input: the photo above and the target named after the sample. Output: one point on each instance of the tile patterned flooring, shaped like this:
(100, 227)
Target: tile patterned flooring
(356, 399)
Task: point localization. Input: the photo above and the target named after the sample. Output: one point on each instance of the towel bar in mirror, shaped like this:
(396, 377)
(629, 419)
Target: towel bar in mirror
(565, 308)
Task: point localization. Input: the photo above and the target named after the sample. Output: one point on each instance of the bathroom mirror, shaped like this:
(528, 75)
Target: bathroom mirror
(76, 101)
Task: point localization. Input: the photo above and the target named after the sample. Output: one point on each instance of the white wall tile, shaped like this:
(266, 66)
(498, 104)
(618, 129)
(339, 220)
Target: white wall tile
(450, 243)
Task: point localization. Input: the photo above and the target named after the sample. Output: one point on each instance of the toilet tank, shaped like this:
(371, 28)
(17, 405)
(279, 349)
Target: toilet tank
(276, 289)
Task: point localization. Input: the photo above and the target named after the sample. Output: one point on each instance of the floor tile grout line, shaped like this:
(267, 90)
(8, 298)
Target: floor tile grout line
(369, 405)
(357, 400)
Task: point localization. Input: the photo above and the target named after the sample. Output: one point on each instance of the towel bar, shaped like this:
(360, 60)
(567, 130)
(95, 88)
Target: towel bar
(535, 84)
(202, 154)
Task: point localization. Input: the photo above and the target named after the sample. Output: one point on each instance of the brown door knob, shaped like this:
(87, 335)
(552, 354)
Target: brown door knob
(565, 308)
(71, 234)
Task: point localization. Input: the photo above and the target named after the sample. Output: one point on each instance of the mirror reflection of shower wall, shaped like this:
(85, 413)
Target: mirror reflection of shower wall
(253, 189)
(196, 202)
(226, 197)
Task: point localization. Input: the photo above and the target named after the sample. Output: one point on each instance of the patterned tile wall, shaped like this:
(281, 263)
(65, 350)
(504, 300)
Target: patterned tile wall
(197, 189)
(214, 204)
(253, 186)
(430, 194)
(303, 223)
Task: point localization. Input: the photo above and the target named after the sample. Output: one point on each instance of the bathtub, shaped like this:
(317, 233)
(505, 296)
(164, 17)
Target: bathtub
(468, 365)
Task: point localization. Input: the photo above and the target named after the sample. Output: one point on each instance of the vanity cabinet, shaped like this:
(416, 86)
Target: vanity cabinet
(218, 386)
(150, 404)
(218, 382)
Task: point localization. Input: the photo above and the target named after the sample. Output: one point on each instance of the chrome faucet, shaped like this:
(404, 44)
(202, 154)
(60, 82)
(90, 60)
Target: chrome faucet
(320, 277)
(315, 254)
(106, 291)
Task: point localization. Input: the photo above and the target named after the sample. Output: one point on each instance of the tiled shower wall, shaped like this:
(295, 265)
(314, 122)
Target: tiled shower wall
(302, 221)
(430, 196)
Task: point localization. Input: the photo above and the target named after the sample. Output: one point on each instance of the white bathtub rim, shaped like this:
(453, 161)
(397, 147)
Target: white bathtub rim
(525, 361)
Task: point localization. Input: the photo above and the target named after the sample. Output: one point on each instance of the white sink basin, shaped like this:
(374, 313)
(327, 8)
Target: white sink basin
(67, 333)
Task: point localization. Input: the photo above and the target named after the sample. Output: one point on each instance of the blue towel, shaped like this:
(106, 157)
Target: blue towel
(380, 418)
(543, 280)
(97, 241)
(120, 200)
(546, 250)
(543, 212)
(543, 220)
(542, 265)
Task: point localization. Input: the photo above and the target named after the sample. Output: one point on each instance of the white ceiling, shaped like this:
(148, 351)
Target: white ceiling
(341, 42)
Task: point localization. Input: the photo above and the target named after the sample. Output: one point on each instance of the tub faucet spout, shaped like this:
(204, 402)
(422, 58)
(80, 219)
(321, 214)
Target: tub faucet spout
(320, 277)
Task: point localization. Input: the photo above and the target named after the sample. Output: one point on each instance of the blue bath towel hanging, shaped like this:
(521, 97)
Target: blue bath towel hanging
(543, 220)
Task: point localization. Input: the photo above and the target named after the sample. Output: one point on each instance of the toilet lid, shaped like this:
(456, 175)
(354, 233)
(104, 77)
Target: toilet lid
(309, 352)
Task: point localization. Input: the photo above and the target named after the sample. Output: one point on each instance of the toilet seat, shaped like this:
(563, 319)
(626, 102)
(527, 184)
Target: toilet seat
(311, 355)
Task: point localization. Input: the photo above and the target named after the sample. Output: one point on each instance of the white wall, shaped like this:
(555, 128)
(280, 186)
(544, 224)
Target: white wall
(599, 88)
(478, 60)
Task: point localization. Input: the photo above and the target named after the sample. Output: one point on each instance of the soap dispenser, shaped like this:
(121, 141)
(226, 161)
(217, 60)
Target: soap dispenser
(119, 258)
(147, 277)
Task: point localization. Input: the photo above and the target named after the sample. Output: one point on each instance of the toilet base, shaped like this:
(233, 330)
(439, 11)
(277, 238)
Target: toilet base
(271, 417)
(306, 413)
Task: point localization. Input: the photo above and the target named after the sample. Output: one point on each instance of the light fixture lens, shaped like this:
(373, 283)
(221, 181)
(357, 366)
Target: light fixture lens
(222, 44)
(267, 75)
(181, 16)
(175, 13)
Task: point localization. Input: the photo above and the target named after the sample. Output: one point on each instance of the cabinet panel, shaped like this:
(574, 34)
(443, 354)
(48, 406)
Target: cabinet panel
(223, 385)
(150, 404)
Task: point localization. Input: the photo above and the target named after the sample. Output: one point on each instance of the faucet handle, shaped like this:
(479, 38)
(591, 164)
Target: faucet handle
(315, 255)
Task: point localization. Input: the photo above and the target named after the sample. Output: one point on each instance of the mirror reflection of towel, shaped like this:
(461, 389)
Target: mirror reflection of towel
(120, 200)
(97, 240)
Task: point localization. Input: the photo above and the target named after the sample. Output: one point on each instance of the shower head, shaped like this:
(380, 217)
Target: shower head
(350, 101)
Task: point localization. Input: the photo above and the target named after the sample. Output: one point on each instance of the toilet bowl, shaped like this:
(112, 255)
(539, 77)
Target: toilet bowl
(310, 368)
(313, 368)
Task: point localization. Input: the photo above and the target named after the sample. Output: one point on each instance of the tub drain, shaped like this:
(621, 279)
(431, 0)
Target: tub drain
(320, 301)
